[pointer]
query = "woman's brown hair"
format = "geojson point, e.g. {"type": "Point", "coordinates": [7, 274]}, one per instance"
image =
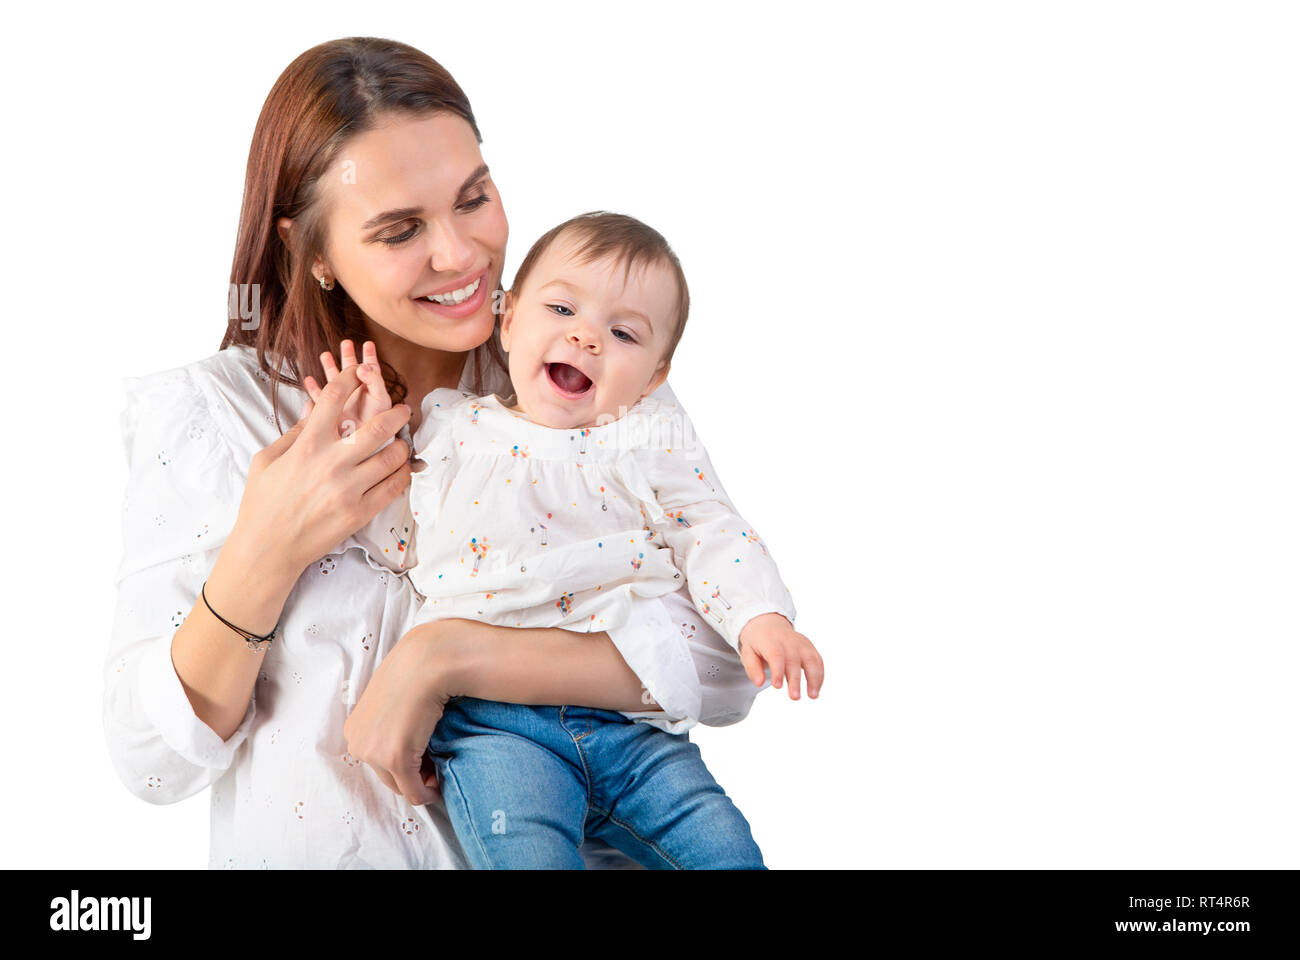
{"type": "Point", "coordinates": [328, 95]}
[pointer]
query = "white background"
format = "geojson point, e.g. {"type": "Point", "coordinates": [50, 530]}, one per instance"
{"type": "Point", "coordinates": [993, 338]}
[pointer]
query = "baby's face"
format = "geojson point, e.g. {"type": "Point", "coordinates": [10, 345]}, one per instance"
{"type": "Point", "coordinates": [583, 345]}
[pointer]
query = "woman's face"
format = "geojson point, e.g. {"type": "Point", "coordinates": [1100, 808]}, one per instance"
{"type": "Point", "coordinates": [413, 214]}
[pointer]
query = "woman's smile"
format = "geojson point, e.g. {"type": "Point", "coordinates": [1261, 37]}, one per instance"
{"type": "Point", "coordinates": [470, 303]}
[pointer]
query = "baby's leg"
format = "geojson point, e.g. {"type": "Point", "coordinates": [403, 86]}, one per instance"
{"type": "Point", "coordinates": [513, 802]}
{"type": "Point", "coordinates": [654, 799]}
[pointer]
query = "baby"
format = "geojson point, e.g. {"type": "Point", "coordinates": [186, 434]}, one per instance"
{"type": "Point", "coordinates": [556, 507]}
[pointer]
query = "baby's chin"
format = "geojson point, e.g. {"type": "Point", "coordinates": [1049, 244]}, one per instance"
{"type": "Point", "coordinates": [556, 413]}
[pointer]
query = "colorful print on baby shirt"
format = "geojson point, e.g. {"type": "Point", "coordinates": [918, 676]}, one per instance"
{"type": "Point", "coordinates": [401, 540]}
{"type": "Point", "coordinates": [645, 524]}
{"type": "Point", "coordinates": [480, 549]}
{"type": "Point", "coordinates": [677, 515]}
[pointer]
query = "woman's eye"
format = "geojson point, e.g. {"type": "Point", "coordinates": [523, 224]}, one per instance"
{"type": "Point", "coordinates": [624, 336]}
{"type": "Point", "coordinates": [400, 238]}
{"type": "Point", "coordinates": [468, 206]}
{"type": "Point", "coordinates": [561, 309]}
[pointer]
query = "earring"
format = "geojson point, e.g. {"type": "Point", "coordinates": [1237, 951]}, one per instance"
{"type": "Point", "coordinates": [324, 284]}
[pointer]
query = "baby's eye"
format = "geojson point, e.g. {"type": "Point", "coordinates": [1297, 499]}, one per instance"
{"type": "Point", "coordinates": [561, 309]}
{"type": "Point", "coordinates": [624, 336]}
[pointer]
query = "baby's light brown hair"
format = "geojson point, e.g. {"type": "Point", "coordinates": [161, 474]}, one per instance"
{"type": "Point", "coordinates": [599, 234]}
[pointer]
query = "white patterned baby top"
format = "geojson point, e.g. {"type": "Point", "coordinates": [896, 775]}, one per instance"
{"type": "Point", "coordinates": [524, 525]}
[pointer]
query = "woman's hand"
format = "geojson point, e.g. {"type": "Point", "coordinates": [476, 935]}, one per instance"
{"type": "Point", "coordinates": [390, 726]}
{"type": "Point", "coordinates": [366, 403]}
{"type": "Point", "coordinates": [310, 489]}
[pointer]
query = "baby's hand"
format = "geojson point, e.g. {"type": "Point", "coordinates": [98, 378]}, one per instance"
{"type": "Point", "coordinates": [367, 401]}
{"type": "Point", "coordinates": [770, 640]}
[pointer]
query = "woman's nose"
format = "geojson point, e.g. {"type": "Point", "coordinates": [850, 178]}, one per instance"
{"type": "Point", "coordinates": [450, 249]}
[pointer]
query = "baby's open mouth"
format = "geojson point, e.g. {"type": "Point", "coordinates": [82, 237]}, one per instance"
{"type": "Point", "coordinates": [569, 380]}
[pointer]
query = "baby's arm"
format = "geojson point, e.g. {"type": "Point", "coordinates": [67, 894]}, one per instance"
{"type": "Point", "coordinates": [730, 573]}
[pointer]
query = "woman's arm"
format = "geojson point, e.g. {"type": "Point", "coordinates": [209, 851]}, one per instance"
{"type": "Point", "coordinates": [305, 492]}
{"type": "Point", "coordinates": [181, 502]}
{"type": "Point", "coordinates": [161, 750]}
{"type": "Point", "coordinates": [535, 666]}
{"type": "Point", "coordinates": [394, 718]}
{"type": "Point", "coordinates": [216, 668]}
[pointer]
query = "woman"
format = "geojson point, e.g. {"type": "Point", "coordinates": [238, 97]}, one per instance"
{"type": "Point", "coordinates": [366, 198]}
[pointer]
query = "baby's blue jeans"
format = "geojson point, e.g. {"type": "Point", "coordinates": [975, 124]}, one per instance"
{"type": "Point", "coordinates": [524, 784]}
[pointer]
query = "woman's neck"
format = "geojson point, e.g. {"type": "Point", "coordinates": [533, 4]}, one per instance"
{"type": "Point", "coordinates": [422, 369]}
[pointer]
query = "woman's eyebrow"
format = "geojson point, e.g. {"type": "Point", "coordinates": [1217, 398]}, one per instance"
{"type": "Point", "coordinates": [401, 213]}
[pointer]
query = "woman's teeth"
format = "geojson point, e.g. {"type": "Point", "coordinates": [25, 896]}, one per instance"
{"type": "Point", "coordinates": [456, 296]}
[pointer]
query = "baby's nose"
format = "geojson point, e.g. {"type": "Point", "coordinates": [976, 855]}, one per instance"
{"type": "Point", "coordinates": [584, 341]}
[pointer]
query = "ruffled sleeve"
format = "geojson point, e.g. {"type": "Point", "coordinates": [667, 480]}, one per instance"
{"type": "Point", "coordinates": [729, 571]}
{"type": "Point", "coordinates": [725, 691]}
{"type": "Point", "coordinates": [182, 497]}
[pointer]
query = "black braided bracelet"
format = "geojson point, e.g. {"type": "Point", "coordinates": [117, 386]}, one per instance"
{"type": "Point", "coordinates": [253, 640]}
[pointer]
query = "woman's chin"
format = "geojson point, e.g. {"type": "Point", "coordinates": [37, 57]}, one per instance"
{"type": "Point", "coordinates": [454, 336]}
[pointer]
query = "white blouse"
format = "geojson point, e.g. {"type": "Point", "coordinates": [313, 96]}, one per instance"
{"type": "Point", "coordinates": [285, 791]}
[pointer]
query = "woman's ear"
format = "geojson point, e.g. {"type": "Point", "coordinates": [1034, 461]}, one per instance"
{"type": "Point", "coordinates": [284, 226]}
{"type": "Point", "coordinates": [507, 319]}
